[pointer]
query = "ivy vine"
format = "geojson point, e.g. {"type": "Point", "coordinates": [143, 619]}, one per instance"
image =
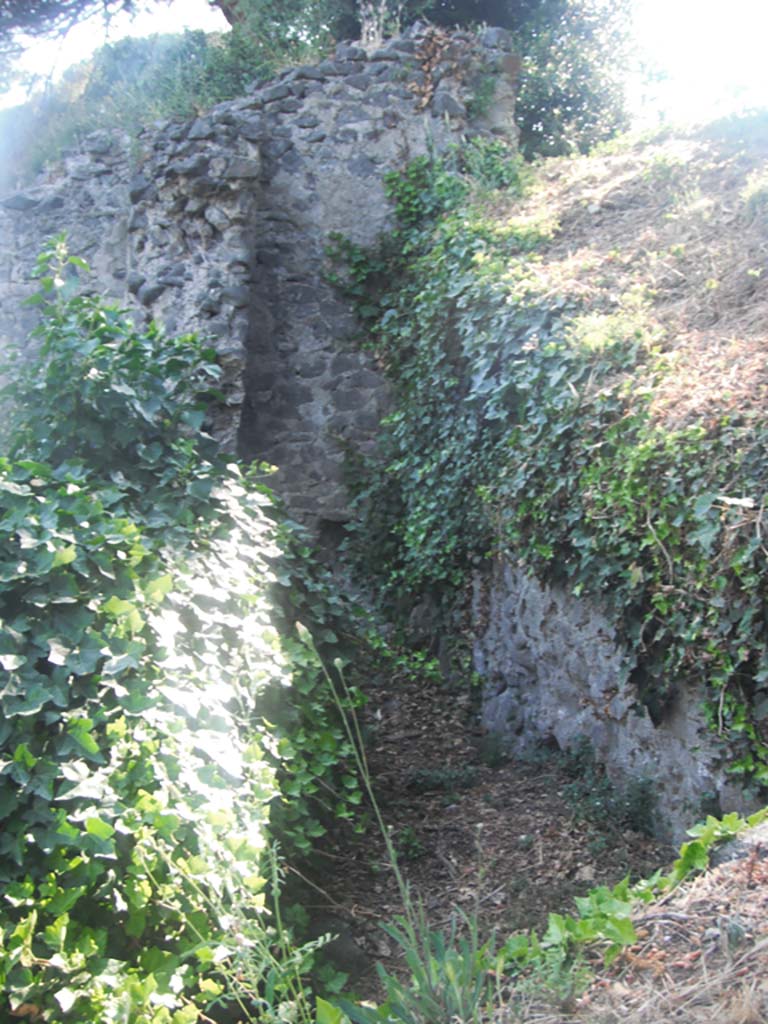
{"type": "Point", "coordinates": [523, 427]}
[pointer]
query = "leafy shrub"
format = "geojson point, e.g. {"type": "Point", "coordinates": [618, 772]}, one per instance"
{"type": "Point", "coordinates": [600, 800]}
{"type": "Point", "coordinates": [139, 650]}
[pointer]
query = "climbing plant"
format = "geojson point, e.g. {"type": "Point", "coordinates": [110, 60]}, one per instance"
{"type": "Point", "coordinates": [158, 721]}
{"type": "Point", "coordinates": [522, 426]}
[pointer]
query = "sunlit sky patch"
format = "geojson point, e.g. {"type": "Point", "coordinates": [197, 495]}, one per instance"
{"type": "Point", "coordinates": [710, 56]}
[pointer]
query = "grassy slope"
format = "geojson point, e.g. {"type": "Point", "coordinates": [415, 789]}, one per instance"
{"type": "Point", "coordinates": [684, 219]}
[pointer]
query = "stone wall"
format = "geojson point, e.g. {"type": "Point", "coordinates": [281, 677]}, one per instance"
{"type": "Point", "coordinates": [553, 670]}
{"type": "Point", "coordinates": [220, 226]}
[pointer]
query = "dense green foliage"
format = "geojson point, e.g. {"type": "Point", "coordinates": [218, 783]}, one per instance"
{"type": "Point", "coordinates": [158, 708]}
{"type": "Point", "coordinates": [571, 90]}
{"type": "Point", "coordinates": [522, 428]}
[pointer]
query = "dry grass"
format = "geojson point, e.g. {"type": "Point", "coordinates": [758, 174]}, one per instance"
{"type": "Point", "coordinates": [702, 958]}
{"type": "Point", "coordinates": [672, 220]}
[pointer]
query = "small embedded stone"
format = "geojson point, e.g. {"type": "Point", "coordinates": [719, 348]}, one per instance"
{"type": "Point", "coordinates": [211, 303]}
{"type": "Point", "coordinates": [330, 68]}
{"type": "Point", "coordinates": [344, 51]}
{"type": "Point", "coordinates": [400, 46]}
{"type": "Point", "coordinates": [275, 148]}
{"type": "Point", "coordinates": [238, 295]}
{"type": "Point", "coordinates": [138, 221]}
{"type": "Point", "coordinates": [362, 166]}
{"type": "Point", "coordinates": [361, 81]}
{"type": "Point", "coordinates": [251, 128]}
{"type": "Point", "coordinates": [347, 67]}
{"type": "Point", "coordinates": [52, 203]}
{"type": "Point", "coordinates": [149, 292]}
{"type": "Point", "coordinates": [310, 72]}
{"type": "Point", "coordinates": [217, 217]}
{"type": "Point", "coordinates": [242, 167]}
{"type": "Point", "coordinates": [21, 201]}
{"type": "Point", "coordinates": [276, 92]}
{"type": "Point", "coordinates": [138, 187]}
{"type": "Point", "coordinates": [445, 103]}
{"type": "Point", "coordinates": [347, 401]}
{"type": "Point", "coordinates": [190, 167]}
{"type": "Point", "coordinates": [201, 129]}
{"type": "Point", "coordinates": [135, 281]}
{"type": "Point", "coordinates": [352, 114]}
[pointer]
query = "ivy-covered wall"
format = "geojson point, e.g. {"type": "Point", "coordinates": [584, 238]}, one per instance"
{"type": "Point", "coordinates": [567, 430]}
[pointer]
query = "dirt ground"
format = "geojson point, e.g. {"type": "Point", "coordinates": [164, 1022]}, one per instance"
{"type": "Point", "coordinates": [500, 841]}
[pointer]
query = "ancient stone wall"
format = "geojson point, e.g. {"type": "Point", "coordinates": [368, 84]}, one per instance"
{"type": "Point", "coordinates": [220, 226]}
{"type": "Point", "coordinates": [553, 670]}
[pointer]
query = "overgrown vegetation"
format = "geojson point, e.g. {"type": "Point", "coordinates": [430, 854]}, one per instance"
{"type": "Point", "coordinates": [524, 427]}
{"type": "Point", "coordinates": [162, 706]}
{"type": "Point", "coordinates": [456, 974]}
{"type": "Point", "coordinates": [158, 709]}
{"type": "Point", "coordinates": [132, 83]}
{"type": "Point", "coordinates": [571, 93]}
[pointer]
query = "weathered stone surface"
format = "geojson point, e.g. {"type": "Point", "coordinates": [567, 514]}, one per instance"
{"type": "Point", "coordinates": [346, 51]}
{"type": "Point", "coordinates": [290, 106]}
{"type": "Point", "coordinates": [218, 217]}
{"type": "Point", "coordinates": [21, 201]}
{"type": "Point", "coordinates": [193, 165]}
{"type": "Point", "coordinates": [239, 296]}
{"type": "Point", "coordinates": [135, 281]}
{"type": "Point", "coordinates": [553, 670]}
{"type": "Point", "coordinates": [251, 128]}
{"type": "Point", "coordinates": [220, 225]}
{"type": "Point", "coordinates": [362, 167]}
{"type": "Point", "coordinates": [241, 167]}
{"type": "Point", "coordinates": [310, 72]}
{"type": "Point", "coordinates": [444, 103]}
{"type": "Point", "coordinates": [139, 187]}
{"type": "Point", "coordinates": [361, 81]}
{"type": "Point", "coordinates": [400, 46]}
{"type": "Point", "coordinates": [202, 128]}
{"type": "Point", "coordinates": [149, 292]}
{"type": "Point", "coordinates": [276, 92]}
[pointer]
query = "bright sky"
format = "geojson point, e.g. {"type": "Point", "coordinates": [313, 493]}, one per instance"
{"type": "Point", "coordinates": [712, 53]}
